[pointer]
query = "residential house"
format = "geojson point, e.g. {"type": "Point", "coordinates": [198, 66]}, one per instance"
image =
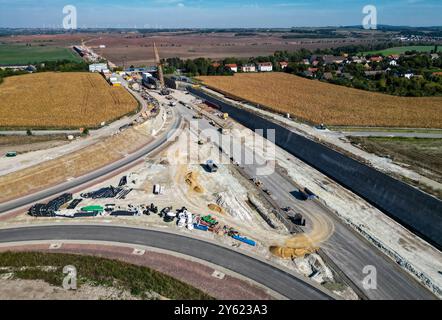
{"type": "Point", "coordinates": [250, 67]}
{"type": "Point", "coordinates": [409, 75]}
{"type": "Point", "coordinates": [376, 59]}
{"type": "Point", "coordinates": [265, 67]}
{"type": "Point", "coordinates": [393, 63]}
{"type": "Point", "coordinates": [394, 56]}
{"type": "Point", "coordinates": [437, 74]}
{"type": "Point", "coordinates": [283, 64]}
{"type": "Point", "coordinates": [232, 66]}
{"type": "Point", "coordinates": [332, 59]}
{"type": "Point", "coordinates": [434, 56]}
{"type": "Point", "coordinates": [357, 59]}
{"type": "Point", "coordinates": [306, 62]}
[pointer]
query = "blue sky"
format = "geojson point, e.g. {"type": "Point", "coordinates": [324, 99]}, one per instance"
{"type": "Point", "coordinates": [217, 13]}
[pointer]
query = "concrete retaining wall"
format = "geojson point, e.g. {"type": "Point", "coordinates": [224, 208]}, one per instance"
{"type": "Point", "coordinates": [417, 211]}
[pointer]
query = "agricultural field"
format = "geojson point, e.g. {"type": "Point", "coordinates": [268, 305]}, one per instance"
{"type": "Point", "coordinates": [61, 100]}
{"type": "Point", "coordinates": [15, 54]}
{"type": "Point", "coordinates": [402, 50]}
{"type": "Point", "coordinates": [318, 102]}
{"type": "Point", "coordinates": [422, 155]}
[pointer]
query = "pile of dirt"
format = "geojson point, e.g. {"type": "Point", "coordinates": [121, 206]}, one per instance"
{"type": "Point", "coordinates": [290, 253]}
{"type": "Point", "coordinates": [192, 180]}
{"type": "Point", "coordinates": [216, 208]}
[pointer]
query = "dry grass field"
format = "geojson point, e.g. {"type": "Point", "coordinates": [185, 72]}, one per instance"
{"type": "Point", "coordinates": [319, 102]}
{"type": "Point", "coordinates": [61, 100]}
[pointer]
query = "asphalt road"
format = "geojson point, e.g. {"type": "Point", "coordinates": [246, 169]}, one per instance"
{"type": "Point", "coordinates": [274, 278]}
{"type": "Point", "coordinates": [68, 185]}
{"type": "Point", "coordinates": [350, 252]}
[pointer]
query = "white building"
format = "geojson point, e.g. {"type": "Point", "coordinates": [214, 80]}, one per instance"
{"type": "Point", "coordinates": [409, 75]}
{"type": "Point", "coordinates": [265, 67]}
{"type": "Point", "coordinates": [248, 68]}
{"type": "Point", "coordinates": [98, 67]}
{"type": "Point", "coordinates": [232, 66]}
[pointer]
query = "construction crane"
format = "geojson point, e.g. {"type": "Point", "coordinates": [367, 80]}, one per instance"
{"type": "Point", "coordinates": [159, 66]}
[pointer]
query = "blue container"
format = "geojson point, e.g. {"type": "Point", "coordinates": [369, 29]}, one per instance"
{"type": "Point", "coordinates": [200, 227]}
{"type": "Point", "coordinates": [245, 240]}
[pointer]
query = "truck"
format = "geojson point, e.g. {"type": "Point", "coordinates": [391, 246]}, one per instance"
{"type": "Point", "coordinates": [211, 166]}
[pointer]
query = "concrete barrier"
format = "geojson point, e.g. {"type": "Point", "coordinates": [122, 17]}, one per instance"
{"type": "Point", "coordinates": [417, 211]}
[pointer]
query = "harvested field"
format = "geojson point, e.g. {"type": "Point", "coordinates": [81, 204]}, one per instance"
{"type": "Point", "coordinates": [421, 155]}
{"type": "Point", "coordinates": [61, 100]}
{"type": "Point", "coordinates": [317, 102]}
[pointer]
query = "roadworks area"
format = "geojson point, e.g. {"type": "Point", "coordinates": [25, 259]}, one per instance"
{"type": "Point", "coordinates": [234, 202]}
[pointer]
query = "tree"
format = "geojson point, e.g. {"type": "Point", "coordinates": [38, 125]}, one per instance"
{"type": "Point", "coordinates": [29, 132]}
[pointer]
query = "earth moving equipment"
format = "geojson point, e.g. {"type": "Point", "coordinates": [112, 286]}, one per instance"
{"type": "Point", "coordinates": [211, 166]}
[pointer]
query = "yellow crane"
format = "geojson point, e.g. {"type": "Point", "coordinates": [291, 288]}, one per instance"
{"type": "Point", "coordinates": [159, 65]}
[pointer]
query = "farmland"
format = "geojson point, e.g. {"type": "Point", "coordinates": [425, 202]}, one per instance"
{"type": "Point", "coordinates": [317, 102]}
{"type": "Point", "coordinates": [61, 100]}
{"type": "Point", "coordinates": [402, 50]}
{"type": "Point", "coordinates": [21, 54]}
{"type": "Point", "coordinates": [422, 155]}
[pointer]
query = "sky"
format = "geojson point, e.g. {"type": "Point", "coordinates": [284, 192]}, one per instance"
{"type": "Point", "coordinates": [217, 13]}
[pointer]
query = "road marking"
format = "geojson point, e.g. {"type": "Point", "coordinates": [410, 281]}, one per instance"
{"type": "Point", "coordinates": [55, 246]}
{"type": "Point", "coordinates": [218, 274]}
{"type": "Point", "coordinates": [138, 252]}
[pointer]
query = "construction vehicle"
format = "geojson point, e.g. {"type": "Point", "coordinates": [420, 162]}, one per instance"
{"type": "Point", "coordinates": [211, 166]}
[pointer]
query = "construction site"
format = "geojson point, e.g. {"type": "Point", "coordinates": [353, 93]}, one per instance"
{"type": "Point", "coordinates": [212, 178]}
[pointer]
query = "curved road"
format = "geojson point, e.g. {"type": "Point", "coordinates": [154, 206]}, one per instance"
{"type": "Point", "coordinates": [65, 186]}
{"type": "Point", "coordinates": [272, 277]}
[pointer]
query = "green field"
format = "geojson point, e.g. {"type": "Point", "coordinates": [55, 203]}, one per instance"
{"type": "Point", "coordinates": [21, 54]}
{"type": "Point", "coordinates": [401, 50]}
{"type": "Point", "coordinates": [97, 271]}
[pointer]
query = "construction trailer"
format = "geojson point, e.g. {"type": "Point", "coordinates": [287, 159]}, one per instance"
{"type": "Point", "coordinates": [98, 67]}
